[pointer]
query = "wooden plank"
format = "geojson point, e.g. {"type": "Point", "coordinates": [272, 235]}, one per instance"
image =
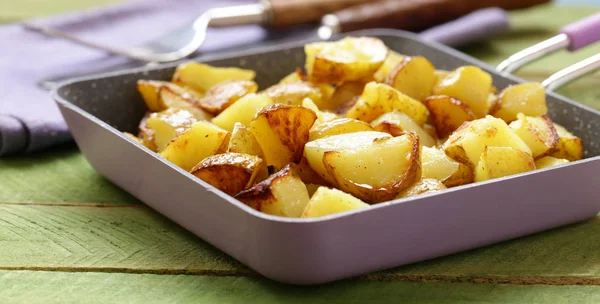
{"type": "Point", "coordinates": [136, 239]}
{"type": "Point", "coordinates": [52, 287]}
{"type": "Point", "coordinates": [58, 175]}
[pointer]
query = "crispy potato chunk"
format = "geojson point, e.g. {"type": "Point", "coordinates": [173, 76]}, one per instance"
{"type": "Point", "coordinates": [348, 59]}
{"type": "Point", "coordinates": [293, 93]}
{"type": "Point", "coordinates": [283, 194]}
{"type": "Point", "coordinates": [537, 132]}
{"type": "Point", "coordinates": [222, 95]}
{"type": "Point", "coordinates": [549, 161]}
{"type": "Point", "coordinates": [230, 172]}
{"type": "Point", "coordinates": [526, 98]}
{"type": "Point", "coordinates": [439, 76]}
{"type": "Point", "coordinates": [468, 142]}
{"type": "Point", "coordinates": [378, 98]}
{"type": "Point", "coordinates": [282, 130]}
{"type": "Point", "coordinates": [337, 126]}
{"type": "Point", "coordinates": [425, 185]}
{"type": "Point", "coordinates": [414, 76]}
{"type": "Point", "coordinates": [149, 90]}
{"type": "Point", "coordinates": [146, 134]}
{"type": "Point", "coordinates": [322, 116]}
{"type": "Point", "coordinates": [243, 141]}
{"type": "Point", "coordinates": [497, 162]}
{"type": "Point", "coordinates": [447, 113]}
{"type": "Point", "coordinates": [326, 90]}
{"type": "Point", "coordinates": [343, 94]}
{"type": "Point", "coordinates": [202, 77]}
{"type": "Point", "coordinates": [569, 146]}
{"type": "Point", "coordinates": [377, 172]}
{"type": "Point", "coordinates": [171, 98]}
{"type": "Point", "coordinates": [392, 60]}
{"type": "Point", "coordinates": [469, 84]}
{"type": "Point", "coordinates": [315, 150]}
{"type": "Point", "coordinates": [397, 123]}
{"type": "Point", "coordinates": [328, 201]}
{"type": "Point", "coordinates": [161, 95]}
{"type": "Point", "coordinates": [201, 140]}
{"type": "Point", "coordinates": [168, 124]}
{"type": "Point", "coordinates": [242, 111]}
{"type": "Point", "coordinates": [437, 165]}
{"type": "Point", "coordinates": [308, 175]}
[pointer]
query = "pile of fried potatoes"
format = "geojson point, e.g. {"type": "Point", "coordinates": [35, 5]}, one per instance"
{"type": "Point", "coordinates": [364, 125]}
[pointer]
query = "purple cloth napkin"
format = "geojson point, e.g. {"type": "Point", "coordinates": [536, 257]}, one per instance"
{"type": "Point", "coordinates": [30, 120]}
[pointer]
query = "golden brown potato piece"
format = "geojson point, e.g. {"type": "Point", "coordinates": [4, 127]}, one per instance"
{"type": "Point", "coordinates": [346, 106]}
{"type": "Point", "coordinates": [282, 194]}
{"type": "Point", "coordinates": [202, 77]}
{"type": "Point", "coordinates": [468, 142]}
{"type": "Point", "coordinates": [414, 76]}
{"type": "Point", "coordinates": [348, 59]}
{"type": "Point", "coordinates": [549, 161]}
{"type": "Point", "coordinates": [447, 113]}
{"type": "Point", "coordinates": [439, 76]}
{"type": "Point", "coordinates": [222, 95]}
{"type": "Point", "coordinates": [437, 165]}
{"type": "Point", "coordinates": [425, 185]}
{"type": "Point", "coordinates": [392, 60]}
{"type": "Point", "coordinates": [230, 172]}
{"type": "Point", "coordinates": [282, 130]}
{"type": "Point", "coordinates": [161, 95]}
{"type": "Point", "coordinates": [344, 94]}
{"type": "Point", "coordinates": [377, 172]}
{"type": "Point", "coordinates": [497, 162]}
{"type": "Point", "coordinates": [308, 175]}
{"type": "Point", "coordinates": [537, 132]}
{"type": "Point", "coordinates": [200, 141]}
{"type": "Point", "coordinates": [171, 98]}
{"type": "Point", "coordinates": [135, 138]}
{"type": "Point", "coordinates": [397, 123]}
{"type": "Point", "coordinates": [322, 116]}
{"type": "Point", "coordinates": [146, 134]}
{"type": "Point", "coordinates": [293, 93]}
{"type": "Point", "coordinates": [242, 111]}
{"type": "Point", "coordinates": [326, 201]}
{"type": "Point", "coordinates": [378, 98]}
{"type": "Point", "coordinates": [326, 90]}
{"type": "Point", "coordinates": [469, 84]}
{"type": "Point", "coordinates": [337, 126]}
{"type": "Point", "coordinates": [526, 98]}
{"type": "Point", "coordinates": [243, 141]}
{"type": "Point", "coordinates": [168, 124]}
{"type": "Point", "coordinates": [569, 146]}
{"type": "Point", "coordinates": [315, 150]}
{"type": "Point", "coordinates": [149, 90]}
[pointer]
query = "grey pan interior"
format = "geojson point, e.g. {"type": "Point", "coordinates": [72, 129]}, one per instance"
{"type": "Point", "coordinates": [314, 251]}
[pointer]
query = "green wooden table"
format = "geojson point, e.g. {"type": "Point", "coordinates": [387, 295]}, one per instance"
{"type": "Point", "coordinates": [69, 235]}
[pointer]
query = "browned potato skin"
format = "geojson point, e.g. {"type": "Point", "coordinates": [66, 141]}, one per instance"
{"type": "Point", "coordinates": [222, 95]}
{"type": "Point", "coordinates": [447, 113]}
{"type": "Point", "coordinates": [146, 134]}
{"type": "Point", "coordinates": [344, 94]}
{"type": "Point", "coordinates": [403, 75]}
{"type": "Point", "coordinates": [308, 175]}
{"type": "Point", "coordinates": [569, 146]}
{"type": "Point", "coordinates": [229, 172]}
{"type": "Point", "coordinates": [426, 185]}
{"type": "Point", "coordinates": [372, 195]}
{"type": "Point", "coordinates": [292, 93]}
{"type": "Point", "coordinates": [346, 106]}
{"type": "Point", "coordinates": [260, 193]}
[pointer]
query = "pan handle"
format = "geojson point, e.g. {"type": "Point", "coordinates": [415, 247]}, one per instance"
{"type": "Point", "coordinates": [572, 72]}
{"type": "Point", "coordinates": [583, 32]}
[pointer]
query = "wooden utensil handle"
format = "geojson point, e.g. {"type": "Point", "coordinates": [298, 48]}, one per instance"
{"type": "Point", "coordinates": [416, 15]}
{"type": "Point", "coordinates": [285, 13]}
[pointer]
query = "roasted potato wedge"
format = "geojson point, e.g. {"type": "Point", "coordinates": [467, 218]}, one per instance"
{"type": "Point", "coordinates": [146, 134]}
{"type": "Point", "coordinates": [242, 111]}
{"type": "Point", "coordinates": [200, 141]}
{"type": "Point", "coordinates": [283, 194]}
{"type": "Point", "coordinates": [337, 126]}
{"type": "Point", "coordinates": [161, 95]}
{"type": "Point", "coordinates": [414, 76]}
{"type": "Point", "coordinates": [447, 113]}
{"type": "Point", "coordinates": [348, 59]}
{"type": "Point", "coordinates": [171, 98]}
{"type": "Point", "coordinates": [439, 76]}
{"type": "Point", "coordinates": [149, 90]}
{"type": "Point", "coordinates": [549, 161]}
{"type": "Point", "coordinates": [326, 201]}
{"type": "Point", "coordinates": [231, 172]}
{"type": "Point", "coordinates": [569, 146]}
{"type": "Point", "coordinates": [220, 96]}
{"type": "Point", "coordinates": [392, 60]}
{"type": "Point", "coordinates": [308, 175]}
{"type": "Point", "coordinates": [526, 98]}
{"type": "Point", "coordinates": [315, 150]}
{"type": "Point", "coordinates": [168, 124]}
{"type": "Point", "coordinates": [468, 142]}
{"type": "Point", "coordinates": [322, 116]}
{"type": "Point", "coordinates": [378, 98]}
{"type": "Point", "coordinates": [202, 77]}
{"type": "Point", "coordinates": [437, 165]}
{"type": "Point", "coordinates": [377, 172]}
{"type": "Point", "coordinates": [397, 123]}
{"type": "Point", "coordinates": [537, 132]}
{"type": "Point", "coordinates": [282, 130]}
{"type": "Point", "coordinates": [496, 162]}
{"type": "Point", "coordinates": [425, 185]}
{"type": "Point", "coordinates": [243, 141]}
{"type": "Point", "coordinates": [469, 84]}
{"type": "Point", "coordinates": [293, 93]}
{"type": "Point", "coordinates": [343, 94]}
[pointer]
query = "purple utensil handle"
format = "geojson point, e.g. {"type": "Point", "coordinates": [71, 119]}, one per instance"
{"type": "Point", "coordinates": [475, 26]}
{"type": "Point", "coordinates": [583, 32]}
